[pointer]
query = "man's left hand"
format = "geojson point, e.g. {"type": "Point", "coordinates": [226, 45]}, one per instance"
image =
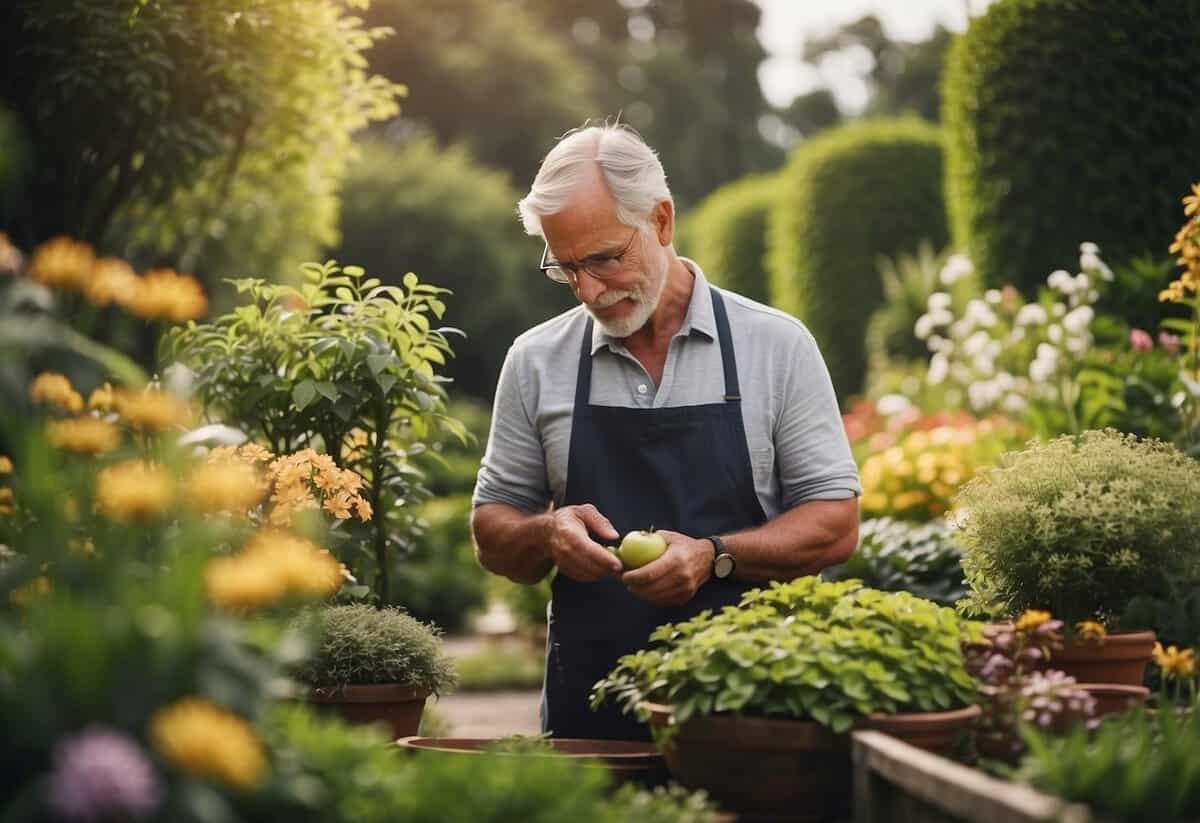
{"type": "Point", "coordinates": [673, 578]}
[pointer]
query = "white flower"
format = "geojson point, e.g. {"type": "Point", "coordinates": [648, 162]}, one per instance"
{"type": "Point", "coordinates": [1041, 370]}
{"type": "Point", "coordinates": [984, 365]}
{"type": "Point", "coordinates": [1055, 333]}
{"type": "Point", "coordinates": [993, 297]}
{"type": "Point", "coordinates": [983, 394]}
{"type": "Point", "coordinates": [1093, 295]}
{"type": "Point", "coordinates": [1078, 321]}
{"type": "Point", "coordinates": [923, 327]}
{"type": "Point", "coordinates": [1004, 380]}
{"type": "Point", "coordinates": [1058, 309]}
{"type": "Point", "coordinates": [1077, 345]}
{"type": "Point", "coordinates": [993, 349]}
{"type": "Point", "coordinates": [957, 267]}
{"type": "Point", "coordinates": [1061, 280]}
{"type": "Point", "coordinates": [976, 343]}
{"type": "Point", "coordinates": [1082, 282]}
{"type": "Point", "coordinates": [978, 314]}
{"type": "Point", "coordinates": [1014, 404]}
{"type": "Point", "coordinates": [891, 404]}
{"type": "Point", "coordinates": [960, 374]}
{"type": "Point", "coordinates": [1016, 335]}
{"type": "Point", "coordinates": [938, 366]}
{"type": "Point", "coordinates": [1031, 314]}
{"type": "Point", "coordinates": [938, 300]}
{"type": "Point", "coordinates": [938, 343]}
{"type": "Point", "coordinates": [1088, 248]}
{"type": "Point", "coordinates": [1046, 352]}
{"type": "Point", "coordinates": [1092, 262]}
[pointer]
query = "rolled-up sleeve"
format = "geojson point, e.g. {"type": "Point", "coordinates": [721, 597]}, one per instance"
{"type": "Point", "coordinates": [513, 470]}
{"type": "Point", "coordinates": [812, 453]}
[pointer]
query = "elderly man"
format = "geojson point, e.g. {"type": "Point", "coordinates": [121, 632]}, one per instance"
{"type": "Point", "coordinates": [660, 401]}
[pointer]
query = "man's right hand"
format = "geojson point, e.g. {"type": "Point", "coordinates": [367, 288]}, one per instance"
{"type": "Point", "coordinates": [575, 553]}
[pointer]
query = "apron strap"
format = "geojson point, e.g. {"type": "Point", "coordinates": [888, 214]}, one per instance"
{"type": "Point", "coordinates": [732, 393]}
{"type": "Point", "coordinates": [583, 380]}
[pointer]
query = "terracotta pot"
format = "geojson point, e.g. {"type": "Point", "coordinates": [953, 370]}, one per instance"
{"type": "Point", "coordinates": [398, 707]}
{"type": "Point", "coordinates": [937, 732]}
{"type": "Point", "coordinates": [628, 761]}
{"type": "Point", "coordinates": [1121, 658]}
{"type": "Point", "coordinates": [1114, 698]}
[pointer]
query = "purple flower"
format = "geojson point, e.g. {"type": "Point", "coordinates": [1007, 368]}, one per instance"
{"type": "Point", "coordinates": [1140, 340]}
{"type": "Point", "coordinates": [1169, 342]}
{"type": "Point", "coordinates": [101, 774]}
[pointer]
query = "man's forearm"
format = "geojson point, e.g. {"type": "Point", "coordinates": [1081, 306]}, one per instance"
{"type": "Point", "coordinates": [798, 542]}
{"type": "Point", "coordinates": [511, 542]}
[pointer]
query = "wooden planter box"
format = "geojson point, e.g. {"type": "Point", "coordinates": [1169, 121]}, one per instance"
{"type": "Point", "coordinates": [898, 783]}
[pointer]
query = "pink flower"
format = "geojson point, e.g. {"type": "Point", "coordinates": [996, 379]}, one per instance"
{"type": "Point", "coordinates": [1140, 340]}
{"type": "Point", "coordinates": [1169, 342]}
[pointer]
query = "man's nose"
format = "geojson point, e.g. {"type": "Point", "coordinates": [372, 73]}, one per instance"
{"type": "Point", "coordinates": [588, 288]}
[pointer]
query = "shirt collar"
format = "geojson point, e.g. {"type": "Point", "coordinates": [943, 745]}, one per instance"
{"type": "Point", "coordinates": [699, 317]}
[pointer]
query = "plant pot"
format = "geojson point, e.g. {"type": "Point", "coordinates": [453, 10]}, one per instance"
{"type": "Point", "coordinates": [397, 707]}
{"type": "Point", "coordinates": [937, 732]}
{"type": "Point", "coordinates": [1120, 659]}
{"type": "Point", "coordinates": [1114, 698]}
{"type": "Point", "coordinates": [764, 769]}
{"type": "Point", "coordinates": [627, 761]}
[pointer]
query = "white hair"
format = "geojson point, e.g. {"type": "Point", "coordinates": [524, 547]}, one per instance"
{"type": "Point", "coordinates": [630, 168]}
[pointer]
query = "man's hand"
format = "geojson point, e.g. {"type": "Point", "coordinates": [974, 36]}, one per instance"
{"type": "Point", "coordinates": [674, 578]}
{"type": "Point", "coordinates": [574, 552]}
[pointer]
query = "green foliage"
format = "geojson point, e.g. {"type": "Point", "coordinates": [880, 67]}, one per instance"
{"type": "Point", "coordinates": [893, 556]}
{"type": "Point", "coordinates": [206, 136]}
{"type": "Point", "coordinates": [438, 213]}
{"type": "Point", "coordinates": [339, 356]}
{"type": "Point", "coordinates": [512, 666]}
{"type": "Point", "coordinates": [664, 804]}
{"type": "Point", "coordinates": [807, 649]}
{"type": "Point", "coordinates": [908, 280]}
{"type": "Point", "coordinates": [847, 197]}
{"type": "Point", "coordinates": [1080, 526]}
{"type": "Point", "coordinates": [358, 645]}
{"type": "Point", "coordinates": [1033, 166]}
{"type": "Point", "coordinates": [1135, 767]}
{"type": "Point", "coordinates": [440, 581]}
{"type": "Point", "coordinates": [727, 235]}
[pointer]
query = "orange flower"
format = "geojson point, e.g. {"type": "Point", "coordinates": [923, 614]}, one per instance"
{"type": "Point", "coordinates": [1175, 663]}
{"type": "Point", "coordinates": [1031, 619]}
{"type": "Point", "coordinates": [62, 263]}
{"type": "Point", "coordinates": [54, 389]}
{"type": "Point", "coordinates": [164, 294]}
{"type": "Point", "coordinates": [112, 281]}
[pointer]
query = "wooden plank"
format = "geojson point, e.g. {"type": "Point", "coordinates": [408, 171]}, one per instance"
{"type": "Point", "coordinates": [963, 793]}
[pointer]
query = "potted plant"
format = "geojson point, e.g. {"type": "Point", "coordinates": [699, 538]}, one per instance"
{"type": "Point", "coordinates": [1080, 527]}
{"type": "Point", "coordinates": [754, 704]}
{"type": "Point", "coordinates": [373, 665]}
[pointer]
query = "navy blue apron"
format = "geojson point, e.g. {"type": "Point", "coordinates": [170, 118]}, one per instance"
{"type": "Point", "coordinates": [686, 469]}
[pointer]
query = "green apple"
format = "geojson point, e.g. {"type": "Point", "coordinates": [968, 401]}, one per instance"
{"type": "Point", "coordinates": [641, 547]}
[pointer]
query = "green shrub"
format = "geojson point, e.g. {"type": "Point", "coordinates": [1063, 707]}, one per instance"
{"type": "Point", "coordinates": [415, 207]}
{"type": "Point", "coordinates": [894, 556]}
{"type": "Point", "coordinates": [727, 235]}
{"type": "Point", "coordinates": [1065, 121]}
{"type": "Point", "coordinates": [1080, 527]}
{"type": "Point", "coordinates": [360, 645]}
{"type": "Point", "coordinates": [807, 649]}
{"type": "Point", "coordinates": [846, 197]}
{"type": "Point", "coordinates": [440, 581]}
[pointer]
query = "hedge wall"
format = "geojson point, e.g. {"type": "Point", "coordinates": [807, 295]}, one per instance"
{"type": "Point", "coordinates": [848, 196]}
{"type": "Point", "coordinates": [727, 235]}
{"type": "Point", "coordinates": [1070, 120]}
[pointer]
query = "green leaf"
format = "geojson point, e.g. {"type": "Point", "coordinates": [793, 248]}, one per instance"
{"type": "Point", "coordinates": [303, 393]}
{"type": "Point", "coordinates": [410, 281]}
{"type": "Point", "coordinates": [327, 390]}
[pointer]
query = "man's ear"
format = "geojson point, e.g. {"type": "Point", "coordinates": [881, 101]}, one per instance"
{"type": "Point", "coordinates": [663, 220]}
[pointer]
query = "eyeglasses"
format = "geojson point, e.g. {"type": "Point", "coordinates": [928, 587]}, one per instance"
{"type": "Point", "coordinates": [600, 266]}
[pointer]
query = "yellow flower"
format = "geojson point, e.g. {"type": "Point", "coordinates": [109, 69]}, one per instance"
{"type": "Point", "coordinates": [358, 437]}
{"type": "Point", "coordinates": [102, 399]}
{"type": "Point", "coordinates": [255, 453]}
{"type": "Point", "coordinates": [55, 389]}
{"type": "Point", "coordinates": [6, 465]}
{"type": "Point", "coordinates": [363, 509]}
{"type": "Point", "coordinates": [338, 505]}
{"type": "Point", "coordinates": [874, 502]}
{"type": "Point", "coordinates": [133, 490]}
{"type": "Point", "coordinates": [1175, 663]}
{"type": "Point", "coordinates": [206, 740]}
{"type": "Point", "coordinates": [6, 502]}
{"type": "Point", "coordinates": [909, 499]}
{"type": "Point", "coordinates": [164, 294]}
{"type": "Point", "coordinates": [224, 486]}
{"type": "Point", "coordinates": [111, 281]}
{"type": "Point", "coordinates": [1191, 202]}
{"type": "Point", "coordinates": [152, 410]}
{"type": "Point", "coordinates": [1091, 630]}
{"type": "Point", "coordinates": [238, 583]}
{"type": "Point", "coordinates": [1031, 619]}
{"type": "Point", "coordinates": [85, 435]}
{"type": "Point", "coordinates": [22, 596]}
{"type": "Point", "coordinates": [62, 263]}
{"type": "Point", "coordinates": [272, 564]}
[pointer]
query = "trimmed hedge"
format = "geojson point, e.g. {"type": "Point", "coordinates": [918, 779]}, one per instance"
{"type": "Point", "coordinates": [848, 196]}
{"type": "Point", "coordinates": [1070, 120]}
{"type": "Point", "coordinates": [727, 235]}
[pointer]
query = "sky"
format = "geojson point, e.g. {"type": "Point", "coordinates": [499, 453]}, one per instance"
{"type": "Point", "coordinates": [786, 23]}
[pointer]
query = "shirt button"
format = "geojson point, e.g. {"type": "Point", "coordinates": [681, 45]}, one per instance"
{"type": "Point", "coordinates": [642, 388]}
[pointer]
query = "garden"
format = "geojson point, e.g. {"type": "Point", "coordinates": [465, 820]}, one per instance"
{"type": "Point", "coordinates": [259, 268]}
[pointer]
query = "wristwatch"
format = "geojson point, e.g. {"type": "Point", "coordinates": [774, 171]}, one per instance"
{"type": "Point", "coordinates": [723, 562]}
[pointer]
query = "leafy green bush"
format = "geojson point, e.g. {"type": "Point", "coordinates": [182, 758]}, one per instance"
{"type": "Point", "coordinates": [1034, 166]}
{"type": "Point", "coordinates": [440, 581]}
{"type": "Point", "coordinates": [436, 212]}
{"type": "Point", "coordinates": [846, 197]}
{"type": "Point", "coordinates": [727, 235]}
{"type": "Point", "coordinates": [1135, 767]}
{"type": "Point", "coordinates": [360, 645]}
{"type": "Point", "coordinates": [893, 556]}
{"type": "Point", "coordinates": [807, 649]}
{"type": "Point", "coordinates": [1081, 526]}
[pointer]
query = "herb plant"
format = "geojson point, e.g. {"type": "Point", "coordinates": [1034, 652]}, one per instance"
{"type": "Point", "coordinates": [1080, 526]}
{"type": "Point", "coordinates": [894, 555]}
{"type": "Point", "coordinates": [807, 649]}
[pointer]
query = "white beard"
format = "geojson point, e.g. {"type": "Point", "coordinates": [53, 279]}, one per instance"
{"type": "Point", "coordinates": [645, 296]}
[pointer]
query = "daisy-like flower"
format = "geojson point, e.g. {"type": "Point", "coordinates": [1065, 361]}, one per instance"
{"type": "Point", "coordinates": [62, 263]}
{"type": "Point", "coordinates": [206, 740]}
{"type": "Point", "coordinates": [1031, 619]}
{"type": "Point", "coordinates": [1175, 663]}
{"type": "Point", "coordinates": [163, 294]}
{"type": "Point", "coordinates": [101, 774]}
{"type": "Point", "coordinates": [83, 435]}
{"type": "Point", "coordinates": [133, 490]}
{"type": "Point", "coordinates": [54, 389]}
{"type": "Point", "coordinates": [1091, 630]}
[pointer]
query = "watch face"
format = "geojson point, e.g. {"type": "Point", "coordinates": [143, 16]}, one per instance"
{"type": "Point", "coordinates": [723, 565]}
